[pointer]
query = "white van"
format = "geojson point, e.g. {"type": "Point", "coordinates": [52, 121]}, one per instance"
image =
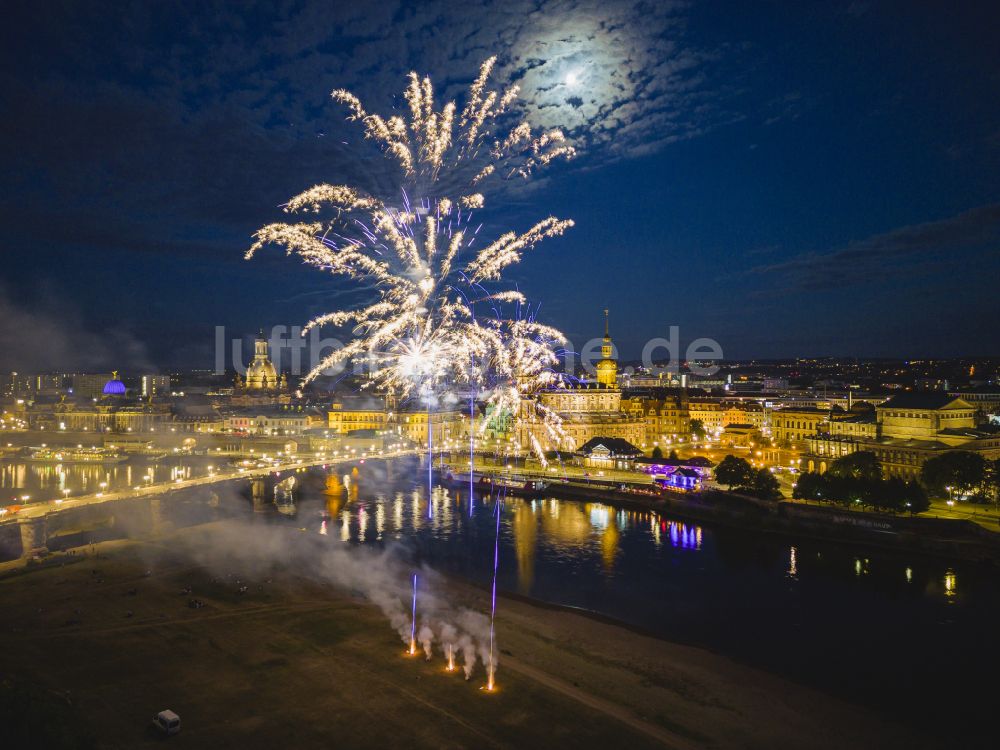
{"type": "Point", "coordinates": [167, 722]}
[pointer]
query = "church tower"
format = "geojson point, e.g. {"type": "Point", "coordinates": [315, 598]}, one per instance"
{"type": "Point", "coordinates": [607, 367]}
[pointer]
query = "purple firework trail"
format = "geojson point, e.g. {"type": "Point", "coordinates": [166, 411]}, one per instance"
{"type": "Point", "coordinates": [430, 465]}
{"type": "Point", "coordinates": [472, 454]}
{"type": "Point", "coordinates": [413, 619]}
{"type": "Point", "coordinates": [493, 612]}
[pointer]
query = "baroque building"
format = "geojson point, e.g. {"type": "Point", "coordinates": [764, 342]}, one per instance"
{"type": "Point", "coordinates": [261, 373]}
{"type": "Point", "coordinates": [587, 410]}
{"type": "Point", "coordinates": [908, 429]}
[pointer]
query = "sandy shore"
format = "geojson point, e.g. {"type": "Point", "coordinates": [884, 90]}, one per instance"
{"type": "Point", "coordinates": [296, 663]}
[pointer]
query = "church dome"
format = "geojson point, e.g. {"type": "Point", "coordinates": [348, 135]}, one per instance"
{"type": "Point", "coordinates": [114, 387]}
{"type": "Point", "coordinates": [261, 372]}
{"type": "Point", "coordinates": [258, 370]}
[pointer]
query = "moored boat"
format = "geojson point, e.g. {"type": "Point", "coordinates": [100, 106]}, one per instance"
{"type": "Point", "coordinates": [74, 456]}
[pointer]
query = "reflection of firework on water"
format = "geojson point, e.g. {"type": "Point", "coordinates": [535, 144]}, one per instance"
{"type": "Point", "coordinates": [420, 332]}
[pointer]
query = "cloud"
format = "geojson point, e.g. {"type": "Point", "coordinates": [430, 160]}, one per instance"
{"type": "Point", "coordinates": [900, 252]}
{"type": "Point", "coordinates": [233, 87]}
{"type": "Point", "coordinates": [180, 132]}
{"type": "Point", "coordinates": [619, 78]}
{"type": "Point", "coordinates": [48, 337]}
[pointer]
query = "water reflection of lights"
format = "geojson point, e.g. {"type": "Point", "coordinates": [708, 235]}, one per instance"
{"type": "Point", "coordinates": [949, 583]}
{"type": "Point", "coordinates": [609, 546]}
{"type": "Point", "coordinates": [415, 509]}
{"type": "Point", "coordinates": [524, 528]}
{"type": "Point", "coordinates": [860, 566]}
{"type": "Point", "coordinates": [681, 535]}
{"type": "Point", "coordinates": [599, 516]}
{"type": "Point", "coordinates": [793, 565]}
{"type": "Point", "coordinates": [909, 575]}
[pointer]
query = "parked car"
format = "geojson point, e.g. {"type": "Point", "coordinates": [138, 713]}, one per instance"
{"type": "Point", "coordinates": [167, 722]}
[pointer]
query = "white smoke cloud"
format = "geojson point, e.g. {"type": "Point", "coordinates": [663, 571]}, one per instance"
{"type": "Point", "coordinates": [383, 577]}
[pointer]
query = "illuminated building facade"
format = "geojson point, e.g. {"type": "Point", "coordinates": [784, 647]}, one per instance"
{"type": "Point", "coordinates": [348, 415]}
{"type": "Point", "coordinates": [106, 415]}
{"type": "Point", "coordinates": [792, 426]}
{"type": "Point", "coordinates": [446, 425]}
{"type": "Point", "coordinates": [587, 410]}
{"type": "Point", "coordinates": [716, 414]}
{"type": "Point", "coordinates": [608, 453]}
{"type": "Point", "coordinates": [735, 435]}
{"type": "Point", "coordinates": [89, 385]}
{"type": "Point", "coordinates": [909, 429]}
{"type": "Point", "coordinates": [985, 399]}
{"type": "Point", "coordinates": [666, 418]}
{"type": "Point", "coordinates": [268, 422]}
{"type": "Point", "coordinates": [710, 412]}
{"type": "Point", "coordinates": [863, 425]}
{"type": "Point", "coordinates": [154, 385]}
{"type": "Point", "coordinates": [926, 416]}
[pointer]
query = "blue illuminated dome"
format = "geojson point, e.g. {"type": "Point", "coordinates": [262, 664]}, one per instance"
{"type": "Point", "coordinates": [114, 387]}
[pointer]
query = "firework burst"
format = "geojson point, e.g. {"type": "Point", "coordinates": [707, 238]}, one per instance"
{"type": "Point", "coordinates": [525, 354]}
{"type": "Point", "coordinates": [463, 152]}
{"type": "Point", "coordinates": [418, 256]}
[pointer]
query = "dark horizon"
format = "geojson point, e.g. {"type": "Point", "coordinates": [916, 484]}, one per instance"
{"type": "Point", "coordinates": [791, 181]}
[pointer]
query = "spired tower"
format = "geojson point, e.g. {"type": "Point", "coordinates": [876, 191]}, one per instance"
{"type": "Point", "coordinates": [607, 367]}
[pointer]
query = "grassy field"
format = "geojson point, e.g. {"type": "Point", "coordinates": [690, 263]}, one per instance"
{"type": "Point", "coordinates": [93, 645]}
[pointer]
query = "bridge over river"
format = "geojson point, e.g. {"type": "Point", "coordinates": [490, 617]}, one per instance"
{"type": "Point", "coordinates": [32, 519]}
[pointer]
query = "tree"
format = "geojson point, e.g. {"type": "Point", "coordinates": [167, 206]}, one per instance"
{"type": "Point", "coordinates": [835, 489]}
{"type": "Point", "coordinates": [916, 500]}
{"type": "Point", "coordinates": [657, 452]}
{"type": "Point", "coordinates": [891, 495]}
{"type": "Point", "coordinates": [764, 485]}
{"type": "Point", "coordinates": [962, 471]}
{"type": "Point", "coordinates": [858, 465]}
{"type": "Point", "coordinates": [734, 472]}
{"type": "Point", "coordinates": [988, 491]}
{"type": "Point", "coordinates": [993, 479]}
{"type": "Point", "coordinates": [698, 429]}
{"type": "Point", "coordinates": [673, 456]}
{"type": "Point", "coordinates": [811, 486]}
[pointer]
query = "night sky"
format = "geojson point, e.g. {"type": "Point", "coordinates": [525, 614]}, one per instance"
{"type": "Point", "coordinates": [791, 179]}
